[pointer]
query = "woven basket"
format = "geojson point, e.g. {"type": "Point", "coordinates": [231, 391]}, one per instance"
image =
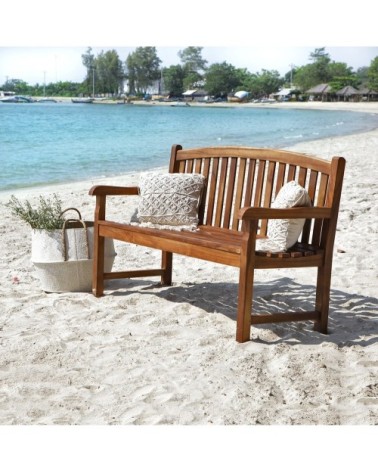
{"type": "Point", "coordinates": [63, 258]}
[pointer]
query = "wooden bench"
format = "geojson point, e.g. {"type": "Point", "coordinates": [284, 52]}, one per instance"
{"type": "Point", "coordinates": [234, 211]}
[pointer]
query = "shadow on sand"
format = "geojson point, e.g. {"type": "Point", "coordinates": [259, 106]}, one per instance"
{"type": "Point", "coordinates": [353, 318]}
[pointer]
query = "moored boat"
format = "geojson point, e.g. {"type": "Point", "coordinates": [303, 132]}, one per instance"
{"type": "Point", "coordinates": [17, 99]}
{"type": "Point", "coordinates": [82, 100]}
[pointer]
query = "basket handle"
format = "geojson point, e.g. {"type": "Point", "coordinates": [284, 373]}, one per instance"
{"type": "Point", "coordinates": [64, 230]}
{"type": "Point", "coordinates": [68, 209]}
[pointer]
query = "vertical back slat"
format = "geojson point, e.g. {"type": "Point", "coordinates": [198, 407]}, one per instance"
{"type": "Point", "coordinates": [221, 184]}
{"type": "Point", "coordinates": [212, 186]}
{"type": "Point", "coordinates": [205, 164]}
{"type": "Point", "coordinates": [229, 192]}
{"type": "Point", "coordinates": [249, 182]}
{"type": "Point", "coordinates": [320, 201]}
{"type": "Point", "coordinates": [302, 176]}
{"type": "Point", "coordinates": [268, 192]}
{"type": "Point", "coordinates": [259, 183]}
{"type": "Point", "coordinates": [291, 173]}
{"type": "Point", "coordinates": [197, 166]}
{"type": "Point", "coordinates": [311, 192]}
{"type": "Point", "coordinates": [189, 166]}
{"type": "Point", "coordinates": [239, 193]}
{"type": "Point", "coordinates": [280, 177]}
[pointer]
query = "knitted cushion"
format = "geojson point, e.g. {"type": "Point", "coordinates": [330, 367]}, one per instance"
{"type": "Point", "coordinates": [282, 234]}
{"type": "Point", "coordinates": [169, 199]}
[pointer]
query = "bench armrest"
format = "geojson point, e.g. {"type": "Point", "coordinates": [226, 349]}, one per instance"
{"type": "Point", "coordinates": [252, 213]}
{"type": "Point", "coordinates": [103, 190]}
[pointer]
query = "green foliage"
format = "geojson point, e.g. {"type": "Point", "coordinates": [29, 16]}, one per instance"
{"type": "Point", "coordinates": [192, 60]}
{"type": "Point", "coordinates": [221, 79]}
{"type": "Point", "coordinates": [88, 60]}
{"type": "Point", "coordinates": [193, 65]}
{"type": "Point", "coordinates": [174, 79]}
{"type": "Point", "coordinates": [263, 83]}
{"type": "Point", "coordinates": [373, 75]}
{"type": "Point", "coordinates": [45, 216]}
{"type": "Point", "coordinates": [143, 67]}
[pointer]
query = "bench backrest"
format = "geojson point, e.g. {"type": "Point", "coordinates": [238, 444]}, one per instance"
{"type": "Point", "coordinates": [238, 177]}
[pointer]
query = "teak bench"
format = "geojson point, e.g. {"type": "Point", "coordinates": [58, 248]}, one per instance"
{"type": "Point", "coordinates": [234, 210]}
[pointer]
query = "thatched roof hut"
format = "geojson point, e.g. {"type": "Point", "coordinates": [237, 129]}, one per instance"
{"type": "Point", "coordinates": [367, 94]}
{"type": "Point", "coordinates": [347, 93]}
{"type": "Point", "coordinates": [320, 92]}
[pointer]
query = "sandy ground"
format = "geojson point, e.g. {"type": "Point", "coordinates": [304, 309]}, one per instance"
{"type": "Point", "coordinates": [150, 355]}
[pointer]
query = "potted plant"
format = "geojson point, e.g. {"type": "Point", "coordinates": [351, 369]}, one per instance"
{"type": "Point", "coordinates": [62, 248]}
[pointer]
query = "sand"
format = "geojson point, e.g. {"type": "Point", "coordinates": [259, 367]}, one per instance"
{"type": "Point", "coordinates": [150, 355]}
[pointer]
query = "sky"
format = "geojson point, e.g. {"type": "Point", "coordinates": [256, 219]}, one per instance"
{"type": "Point", "coordinates": [53, 64]}
{"type": "Point", "coordinates": [46, 42]}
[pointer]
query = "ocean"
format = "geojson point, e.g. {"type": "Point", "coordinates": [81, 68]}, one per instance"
{"type": "Point", "coordinates": [47, 143]}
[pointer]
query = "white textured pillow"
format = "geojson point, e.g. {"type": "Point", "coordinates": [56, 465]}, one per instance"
{"type": "Point", "coordinates": [169, 199]}
{"type": "Point", "coordinates": [283, 234]}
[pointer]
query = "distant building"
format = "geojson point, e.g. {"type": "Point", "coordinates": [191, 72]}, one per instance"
{"type": "Point", "coordinates": [195, 95]}
{"type": "Point", "coordinates": [5, 93]}
{"type": "Point", "coordinates": [321, 92]}
{"type": "Point", "coordinates": [348, 93]}
{"type": "Point", "coordinates": [283, 94]}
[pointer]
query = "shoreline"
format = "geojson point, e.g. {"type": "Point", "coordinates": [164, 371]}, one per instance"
{"type": "Point", "coordinates": [361, 107]}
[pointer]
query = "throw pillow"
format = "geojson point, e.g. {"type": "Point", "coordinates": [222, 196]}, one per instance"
{"type": "Point", "coordinates": [283, 234]}
{"type": "Point", "coordinates": [170, 200]}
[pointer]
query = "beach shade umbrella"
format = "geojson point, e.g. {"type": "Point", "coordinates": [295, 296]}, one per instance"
{"type": "Point", "coordinates": [241, 94]}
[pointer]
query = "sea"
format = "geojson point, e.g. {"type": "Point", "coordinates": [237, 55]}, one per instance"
{"type": "Point", "coordinates": [50, 143]}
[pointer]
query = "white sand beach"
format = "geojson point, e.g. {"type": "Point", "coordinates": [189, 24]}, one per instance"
{"type": "Point", "coordinates": [150, 355]}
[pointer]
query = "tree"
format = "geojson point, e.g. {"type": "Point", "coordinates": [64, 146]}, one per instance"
{"type": "Point", "coordinates": [88, 60]}
{"type": "Point", "coordinates": [341, 75]}
{"type": "Point", "coordinates": [109, 72]}
{"type": "Point", "coordinates": [362, 74]}
{"type": "Point", "coordinates": [18, 86]}
{"type": "Point", "coordinates": [373, 75]}
{"type": "Point", "coordinates": [191, 57]}
{"type": "Point", "coordinates": [316, 73]}
{"type": "Point", "coordinates": [221, 78]}
{"type": "Point", "coordinates": [142, 68]}
{"type": "Point", "coordinates": [269, 81]}
{"type": "Point", "coordinates": [174, 80]}
{"type": "Point", "coordinates": [193, 65]}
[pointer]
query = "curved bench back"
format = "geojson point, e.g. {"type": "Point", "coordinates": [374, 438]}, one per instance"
{"type": "Point", "coordinates": [240, 177]}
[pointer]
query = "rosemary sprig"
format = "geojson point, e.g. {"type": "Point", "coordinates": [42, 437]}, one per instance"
{"type": "Point", "coordinates": [45, 216]}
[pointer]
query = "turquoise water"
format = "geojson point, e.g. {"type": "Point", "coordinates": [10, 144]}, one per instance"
{"type": "Point", "coordinates": [60, 142]}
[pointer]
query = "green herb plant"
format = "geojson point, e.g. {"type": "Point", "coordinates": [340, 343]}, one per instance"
{"type": "Point", "coordinates": [45, 216]}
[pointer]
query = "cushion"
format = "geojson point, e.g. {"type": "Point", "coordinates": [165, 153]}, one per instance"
{"type": "Point", "coordinates": [283, 234]}
{"type": "Point", "coordinates": [170, 199]}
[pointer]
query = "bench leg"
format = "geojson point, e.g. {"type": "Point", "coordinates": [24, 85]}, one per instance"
{"type": "Point", "coordinates": [245, 295]}
{"type": "Point", "coordinates": [323, 288]}
{"type": "Point", "coordinates": [98, 266]}
{"type": "Point", "coordinates": [166, 265]}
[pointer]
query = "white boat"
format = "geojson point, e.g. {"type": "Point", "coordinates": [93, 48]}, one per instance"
{"type": "Point", "coordinates": [82, 100]}
{"type": "Point", "coordinates": [17, 99]}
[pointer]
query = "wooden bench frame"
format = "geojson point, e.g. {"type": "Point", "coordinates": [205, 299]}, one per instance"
{"type": "Point", "coordinates": [241, 185]}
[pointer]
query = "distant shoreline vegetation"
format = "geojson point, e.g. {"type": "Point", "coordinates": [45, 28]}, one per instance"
{"type": "Point", "coordinates": [141, 74]}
